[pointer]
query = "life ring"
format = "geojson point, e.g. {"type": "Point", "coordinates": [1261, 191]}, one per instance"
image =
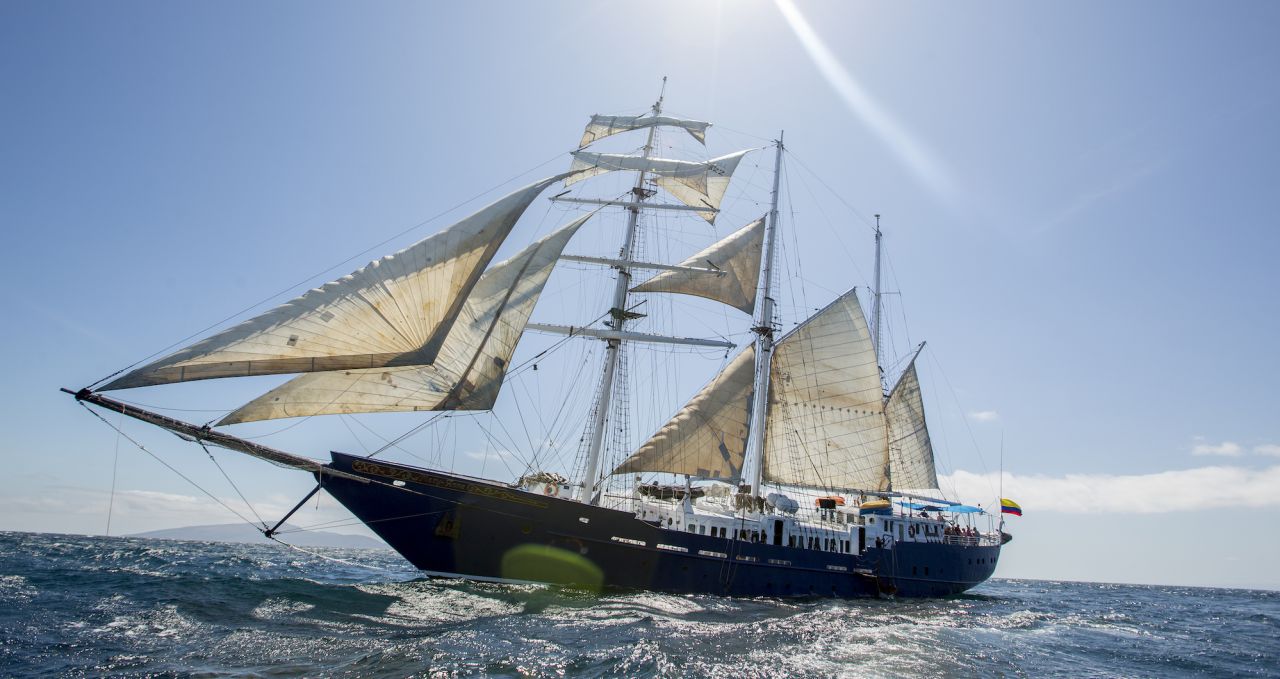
{"type": "Point", "coordinates": [911, 530]}
{"type": "Point", "coordinates": [550, 489]}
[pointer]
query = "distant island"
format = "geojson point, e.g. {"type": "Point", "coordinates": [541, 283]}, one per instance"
{"type": "Point", "coordinates": [239, 532]}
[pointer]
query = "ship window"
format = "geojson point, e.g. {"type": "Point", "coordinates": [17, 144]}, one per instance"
{"type": "Point", "coordinates": [926, 570]}
{"type": "Point", "coordinates": [584, 519]}
{"type": "Point", "coordinates": [702, 530]}
{"type": "Point", "coordinates": [692, 528]}
{"type": "Point", "coordinates": [913, 570]}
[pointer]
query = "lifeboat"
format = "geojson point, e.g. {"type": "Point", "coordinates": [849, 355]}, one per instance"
{"type": "Point", "coordinates": [877, 507]}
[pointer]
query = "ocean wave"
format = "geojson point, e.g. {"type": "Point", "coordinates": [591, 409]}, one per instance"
{"type": "Point", "coordinates": [101, 606]}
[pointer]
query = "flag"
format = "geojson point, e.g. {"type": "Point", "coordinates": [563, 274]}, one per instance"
{"type": "Point", "coordinates": [1008, 506]}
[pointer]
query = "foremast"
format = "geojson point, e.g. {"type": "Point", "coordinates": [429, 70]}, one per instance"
{"type": "Point", "coordinates": [764, 337]}
{"type": "Point", "coordinates": [619, 315]}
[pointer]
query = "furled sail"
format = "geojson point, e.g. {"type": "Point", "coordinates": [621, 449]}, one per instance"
{"type": "Point", "coordinates": [604, 126]}
{"type": "Point", "coordinates": [700, 185]}
{"type": "Point", "coordinates": [910, 451]}
{"type": "Point", "coordinates": [469, 369]}
{"type": "Point", "coordinates": [708, 437]}
{"type": "Point", "coordinates": [394, 311]}
{"type": "Point", "coordinates": [738, 259]}
{"type": "Point", "coordinates": [825, 426]}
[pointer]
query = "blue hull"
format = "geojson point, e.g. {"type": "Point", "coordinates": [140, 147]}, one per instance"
{"type": "Point", "coordinates": [455, 526]}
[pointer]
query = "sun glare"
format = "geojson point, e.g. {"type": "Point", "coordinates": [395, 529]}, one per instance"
{"type": "Point", "coordinates": [917, 158]}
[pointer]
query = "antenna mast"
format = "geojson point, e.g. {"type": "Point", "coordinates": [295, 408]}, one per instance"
{"type": "Point", "coordinates": [618, 316]}
{"type": "Point", "coordinates": [764, 337]}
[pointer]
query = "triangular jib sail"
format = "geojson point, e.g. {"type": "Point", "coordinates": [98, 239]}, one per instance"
{"type": "Point", "coordinates": [393, 312]}
{"type": "Point", "coordinates": [910, 450]}
{"type": "Point", "coordinates": [469, 369]}
{"type": "Point", "coordinates": [708, 437]}
{"type": "Point", "coordinates": [825, 426]}
{"type": "Point", "coordinates": [604, 126]}
{"type": "Point", "coordinates": [736, 257]}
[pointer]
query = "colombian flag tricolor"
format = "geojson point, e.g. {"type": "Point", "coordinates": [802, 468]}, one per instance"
{"type": "Point", "coordinates": [1008, 506]}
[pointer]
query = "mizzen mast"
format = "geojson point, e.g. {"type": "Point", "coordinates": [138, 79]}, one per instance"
{"type": "Point", "coordinates": [618, 313]}
{"type": "Point", "coordinates": [764, 337]}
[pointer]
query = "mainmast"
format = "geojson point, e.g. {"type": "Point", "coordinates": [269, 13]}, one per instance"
{"type": "Point", "coordinates": [618, 314]}
{"type": "Point", "coordinates": [764, 337]}
{"type": "Point", "coordinates": [875, 343]}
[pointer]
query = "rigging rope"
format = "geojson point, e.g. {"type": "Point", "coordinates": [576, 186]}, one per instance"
{"type": "Point", "coordinates": [157, 458]}
{"type": "Point", "coordinates": [115, 467]}
{"type": "Point", "coordinates": [839, 197]}
{"type": "Point", "coordinates": [233, 483]}
{"type": "Point", "coordinates": [513, 372]}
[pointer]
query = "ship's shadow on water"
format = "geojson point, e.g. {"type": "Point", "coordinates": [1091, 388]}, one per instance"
{"type": "Point", "coordinates": [130, 607]}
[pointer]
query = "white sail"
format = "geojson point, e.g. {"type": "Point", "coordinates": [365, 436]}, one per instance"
{"type": "Point", "coordinates": [700, 185]}
{"type": "Point", "coordinates": [708, 437]}
{"type": "Point", "coordinates": [910, 451]}
{"type": "Point", "coordinates": [825, 426]}
{"type": "Point", "coordinates": [469, 369]}
{"type": "Point", "coordinates": [394, 311]}
{"type": "Point", "coordinates": [604, 126]}
{"type": "Point", "coordinates": [737, 257]}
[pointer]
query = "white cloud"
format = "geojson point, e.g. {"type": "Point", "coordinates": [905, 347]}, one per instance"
{"type": "Point", "coordinates": [488, 455]}
{"type": "Point", "coordinates": [84, 510]}
{"type": "Point", "coordinates": [984, 416]}
{"type": "Point", "coordinates": [1224, 449]}
{"type": "Point", "coordinates": [1156, 493]}
{"type": "Point", "coordinates": [1267, 449]}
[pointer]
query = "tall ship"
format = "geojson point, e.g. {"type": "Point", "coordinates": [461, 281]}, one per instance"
{"type": "Point", "coordinates": [800, 468]}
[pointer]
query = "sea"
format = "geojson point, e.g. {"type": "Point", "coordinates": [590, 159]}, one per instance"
{"type": "Point", "coordinates": [131, 607]}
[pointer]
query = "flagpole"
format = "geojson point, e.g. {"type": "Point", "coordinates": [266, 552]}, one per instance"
{"type": "Point", "coordinates": [1000, 483]}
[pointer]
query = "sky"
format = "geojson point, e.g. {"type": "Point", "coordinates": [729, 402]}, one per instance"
{"type": "Point", "coordinates": [1077, 200]}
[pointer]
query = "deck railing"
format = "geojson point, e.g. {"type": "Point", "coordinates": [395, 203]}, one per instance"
{"type": "Point", "coordinates": [983, 539]}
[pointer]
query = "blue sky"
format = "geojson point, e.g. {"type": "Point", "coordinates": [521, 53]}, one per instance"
{"type": "Point", "coordinates": [1078, 199]}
